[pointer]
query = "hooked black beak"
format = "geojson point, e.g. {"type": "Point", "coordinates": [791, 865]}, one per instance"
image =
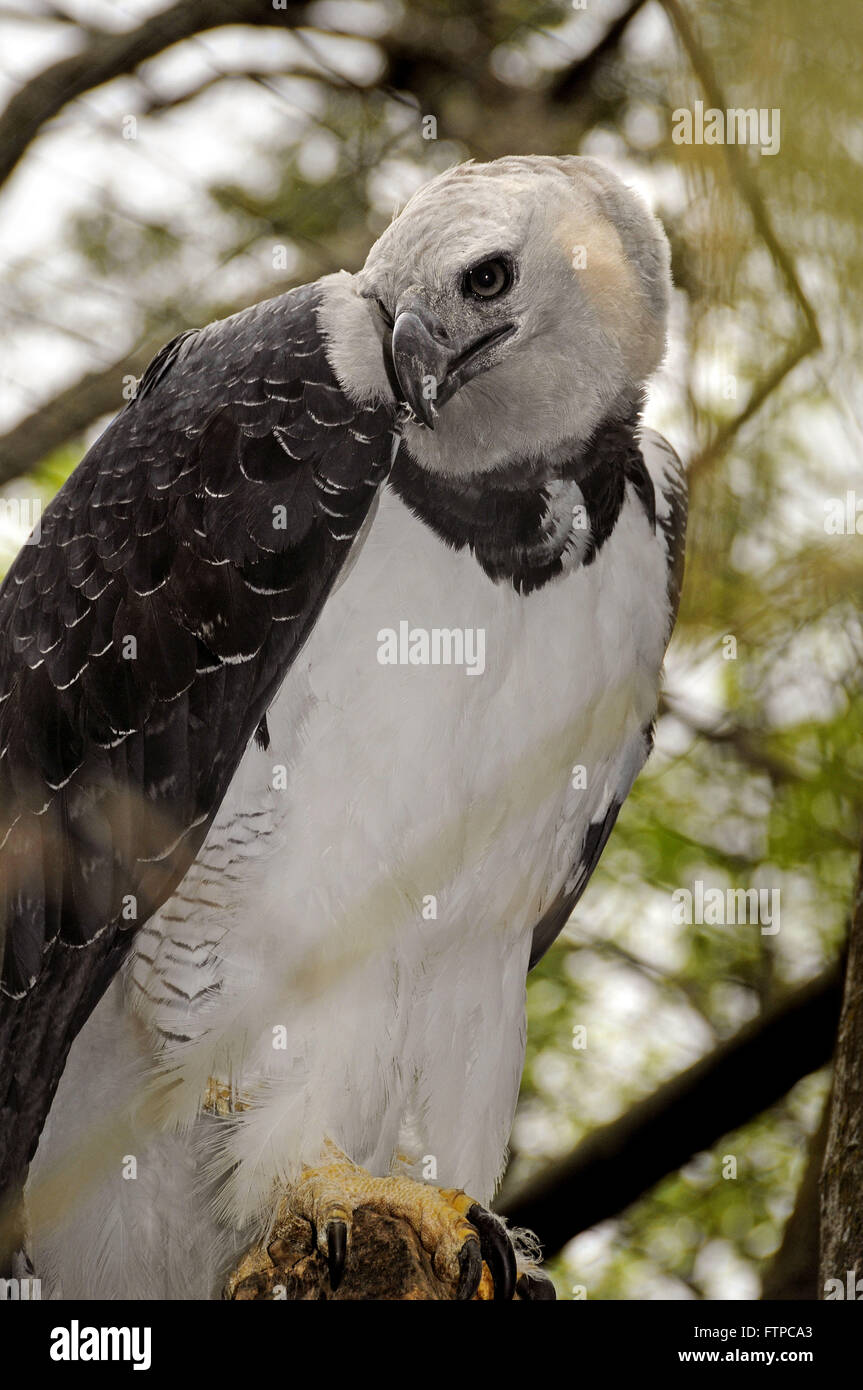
{"type": "Point", "coordinates": [429, 365]}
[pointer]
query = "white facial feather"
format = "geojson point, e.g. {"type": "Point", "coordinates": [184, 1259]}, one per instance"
{"type": "Point", "coordinates": [589, 303]}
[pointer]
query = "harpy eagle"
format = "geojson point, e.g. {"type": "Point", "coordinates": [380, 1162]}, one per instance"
{"type": "Point", "coordinates": [320, 692]}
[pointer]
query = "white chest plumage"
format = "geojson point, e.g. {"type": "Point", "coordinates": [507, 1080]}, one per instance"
{"type": "Point", "coordinates": [374, 875]}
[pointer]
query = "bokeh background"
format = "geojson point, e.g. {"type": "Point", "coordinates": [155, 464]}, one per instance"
{"type": "Point", "coordinates": [164, 165]}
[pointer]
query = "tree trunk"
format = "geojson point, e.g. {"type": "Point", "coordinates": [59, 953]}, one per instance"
{"type": "Point", "coordinates": [793, 1273]}
{"type": "Point", "coordinates": [842, 1176]}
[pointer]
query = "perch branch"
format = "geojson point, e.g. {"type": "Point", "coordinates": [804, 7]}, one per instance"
{"type": "Point", "coordinates": [620, 1161]}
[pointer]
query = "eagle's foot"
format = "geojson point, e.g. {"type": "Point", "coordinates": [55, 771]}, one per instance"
{"type": "Point", "coordinates": [457, 1232]}
{"type": "Point", "coordinates": [469, 1247]}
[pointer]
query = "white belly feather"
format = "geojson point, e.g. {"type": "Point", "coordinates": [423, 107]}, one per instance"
{"type": "Point", "coordinates": [417, 824]}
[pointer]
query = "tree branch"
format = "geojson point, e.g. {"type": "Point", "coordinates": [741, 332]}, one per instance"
{"type": "Point", "coordinates": [71, 412]}
{"type": "Point", "coordinates": [810, 338]}
{"type": "Point", "coordinates": [572, 80]}
{"type": "Point", "coordinates": [620, 1161]}
{"type": "Point", "coordinates": [154, 104]}
{"type": "Point", "coordinates": [742, 741]}
{"type": "Point", "coordinates": [113, 55]}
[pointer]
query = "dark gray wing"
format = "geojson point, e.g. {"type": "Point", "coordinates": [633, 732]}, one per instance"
{"type": "Point", "coordinates": [666, 472]}
{"type": "Point", "coordinates": [142, 638]}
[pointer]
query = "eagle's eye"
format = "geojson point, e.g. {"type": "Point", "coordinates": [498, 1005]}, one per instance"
{"type": "Point", "coordinates": [487, 280]}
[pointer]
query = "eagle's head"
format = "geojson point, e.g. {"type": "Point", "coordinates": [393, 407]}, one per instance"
{"type": "Point", "coordinates": [518, 304]}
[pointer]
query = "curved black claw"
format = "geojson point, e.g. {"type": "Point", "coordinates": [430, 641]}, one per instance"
{"type": "Point", "coordinates": [535, 1287]}
{"type": "Point", "coordinates": [470, 1269]}
{"type": "Point", "coordinates": [337, 1249]}
{"type": "Point", "coordinates": [497, 1251]}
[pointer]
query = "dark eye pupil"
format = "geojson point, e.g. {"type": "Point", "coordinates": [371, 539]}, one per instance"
{"type": "Point", "coordinates": [488, 279]}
